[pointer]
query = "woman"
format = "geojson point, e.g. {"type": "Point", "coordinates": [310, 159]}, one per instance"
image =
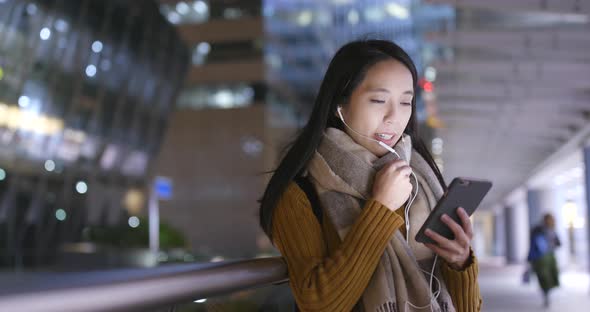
{"type": "Point", "coordinates": [359, 252]}
{"type": "Point", "coordinates": [543, 242]}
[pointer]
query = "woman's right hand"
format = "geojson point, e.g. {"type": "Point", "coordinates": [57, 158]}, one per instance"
{"type": "Point", "coordinates": [392, 186]}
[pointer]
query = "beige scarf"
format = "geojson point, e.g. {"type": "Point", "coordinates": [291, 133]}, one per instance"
{"type": "Point", "coordinates": [343, 172]}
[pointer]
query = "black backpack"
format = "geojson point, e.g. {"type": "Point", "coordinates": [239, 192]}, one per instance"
{"type": "Point", "coordinates": [312, 196]}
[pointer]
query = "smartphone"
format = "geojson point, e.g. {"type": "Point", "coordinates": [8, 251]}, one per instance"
{"type": "Point", "coordinates": [462, 192]}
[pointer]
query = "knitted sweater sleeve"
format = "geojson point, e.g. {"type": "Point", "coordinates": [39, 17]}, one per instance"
{"type": "Point", "coordinates": [463, 286]}
{"type": "Point", "coordinates": [322, 282]}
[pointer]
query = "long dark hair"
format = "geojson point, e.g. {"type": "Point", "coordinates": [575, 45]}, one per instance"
{"type": "Point", "coordinates": [345, 72]}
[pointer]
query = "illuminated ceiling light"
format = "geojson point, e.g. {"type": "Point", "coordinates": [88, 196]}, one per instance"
{"type": "Point", "coordinates": [173, 17]}
{"type": "Point", "coordinates": [60, 214]}
{"type": "Point", "coordinates": [97, 46]}
{"type": "Point", "coordinates": [570, 212]}
{"type": "Point", "coordinates": [49, 165]}
{"type": "Point", "coordinates": [224, 98]}
{"type": "Point", "coordinates": [61, 25]}
{"type": "Point", "coordinates": [374, 14]}
{"type": "Point", "coordinates": [437, 146]}
{"type": "Point", "coordinates": [204, 48]}
{"type": "Point", "coordinates": [133, 222]}
{"type": "Point", "coordinates": [45, 33]}
{"type": "Point", "coordinates": [81, 187]}
{"type": "Point", "coordinates": [397, 10]}
{"type": "Point", "coordinates": [24, 101]}
{"type": "Point", "coordinates": [251, 146]}
{"type": "Point", "coordinates": [182, 8]}
{"type": "Point", "coordinates": [31, 9]}
{"type": "Point", "coordinates": [217, 259]}
{"type": "Point", "coordinates": [200, 7]}
{"type": "Point", "coordinates": [430, 74]}
{"type": "Point", "coordinates": [304, 18]}
{"type": "Point", "coordinates": [90, 70]}
{"type": "Point", "coordinates": [353, 17]}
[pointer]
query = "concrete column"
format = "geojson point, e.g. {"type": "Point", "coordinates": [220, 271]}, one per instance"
{"type": "Point", "coordinates": [587, 187]}
{"type": "Point", "coordinates": [535, 206]}
{"type": "Point", "coordinates": [499, 248]}
{"type": "Point", "coordinates": [510, 239]}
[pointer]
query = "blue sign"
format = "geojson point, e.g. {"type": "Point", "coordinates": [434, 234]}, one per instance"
{"type": "Point", "coordinates": [163, 187]}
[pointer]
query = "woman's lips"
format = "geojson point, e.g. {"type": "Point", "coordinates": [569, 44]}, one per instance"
{"type": "Point", "coordinates": [385, 140]}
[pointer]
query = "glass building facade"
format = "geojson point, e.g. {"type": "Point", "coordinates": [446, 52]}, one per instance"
{"type": "Point", "coordinates": [86, 89]}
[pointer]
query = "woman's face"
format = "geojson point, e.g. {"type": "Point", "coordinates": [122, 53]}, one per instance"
{"type": "Point", "coordinates": [381, 105]}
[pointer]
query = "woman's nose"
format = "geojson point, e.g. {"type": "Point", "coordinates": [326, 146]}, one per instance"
{"type": "Point", "coordinates": [389, 117]}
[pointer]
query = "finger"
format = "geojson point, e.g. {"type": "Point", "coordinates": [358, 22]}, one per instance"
{"type": "Point", "coordinates": [445, 254]}
{"type": "Point", "coordinates": [449, 256]}
{"type": "Point", "coordinates": [443, 242]}
{"type": "Point", "coordinates": [406, 170]}
{"type": "Point", "coordinates": [460, 235]}
{"type": "Point", "coordinates": [467, 227]}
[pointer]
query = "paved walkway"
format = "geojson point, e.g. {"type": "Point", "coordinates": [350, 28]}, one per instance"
{"type": "Point", "coordinates": [503, 291]}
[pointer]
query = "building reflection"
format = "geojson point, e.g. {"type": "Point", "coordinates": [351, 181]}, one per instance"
{"type": "Point", "coordinates": [86, 89]}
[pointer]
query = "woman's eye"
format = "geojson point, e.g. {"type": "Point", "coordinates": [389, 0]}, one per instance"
{"type": "Point", "coordinates": [377, 101]}
{"type": "Point", "coordinates": [406, 103]}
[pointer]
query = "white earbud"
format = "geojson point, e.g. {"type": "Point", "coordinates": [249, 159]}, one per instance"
{"type": "Point", "coordinates": [340, 114]}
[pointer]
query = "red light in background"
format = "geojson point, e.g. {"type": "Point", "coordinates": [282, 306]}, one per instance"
{"type": "Point", "coordinates": [421, 82]}
{"type": "Point", "coordinates": [428, 86]}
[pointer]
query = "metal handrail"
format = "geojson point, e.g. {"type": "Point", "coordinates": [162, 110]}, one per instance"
{"type": "Point", "coordinates": [138, 289]}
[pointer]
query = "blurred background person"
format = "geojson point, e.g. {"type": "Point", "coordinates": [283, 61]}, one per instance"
{"type": "Point", "coordinates": [544, 241]}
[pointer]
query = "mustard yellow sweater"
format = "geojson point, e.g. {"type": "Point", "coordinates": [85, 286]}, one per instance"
{"type": "Point", "coordinates": [327, 274]}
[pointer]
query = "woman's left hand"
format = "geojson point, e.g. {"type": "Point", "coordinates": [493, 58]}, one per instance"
{"type": "Point", "coordinates": [455, 252]}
